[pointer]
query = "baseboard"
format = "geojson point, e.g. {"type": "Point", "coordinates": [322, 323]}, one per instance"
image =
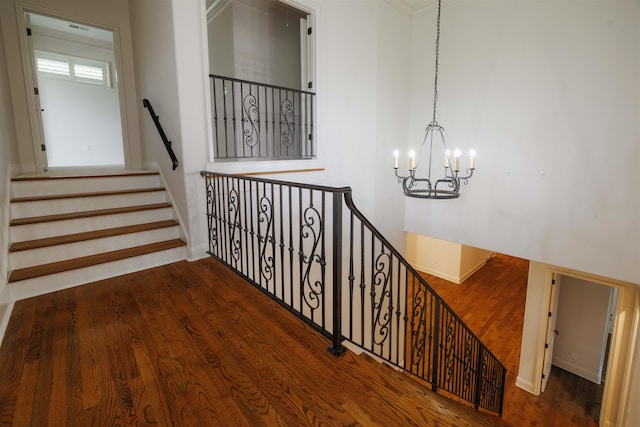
{"type": "Point", "coordinates": [194, 253]}
{"type": "Point", "coordinates": [526, 385]}
{"type": "Point", "coordinates": [475, 268]}
{"type": "Point", "coordinates": [6, 307]}
{"type": "Point", "coordinates": [577, 370]}
{"type": "Point", "coordinates": [440, 274]}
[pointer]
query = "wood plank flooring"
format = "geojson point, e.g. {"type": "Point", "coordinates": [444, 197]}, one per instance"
{"type": "Point", "coordinates": [492, 303]}
{"type": "Point", "coordinates": [191, 344]}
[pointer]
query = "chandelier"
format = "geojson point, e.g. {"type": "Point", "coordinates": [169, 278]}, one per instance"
{"type": "Point", "coordinates": [448, 186]}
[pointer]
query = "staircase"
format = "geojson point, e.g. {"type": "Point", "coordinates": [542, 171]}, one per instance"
{"type": "Point", "coordinates": [71, 230]}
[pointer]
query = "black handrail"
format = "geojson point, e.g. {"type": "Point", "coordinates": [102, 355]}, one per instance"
{"type": "Point", "coordinates": [165, 140]}
{"type": "Point", "coordinates": [333, 269]}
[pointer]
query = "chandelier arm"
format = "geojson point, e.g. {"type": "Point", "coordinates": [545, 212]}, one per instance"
{"type": "Point", "coordinates": [428, 130]}
{"type": "Point", "coordinates": [466, 178]}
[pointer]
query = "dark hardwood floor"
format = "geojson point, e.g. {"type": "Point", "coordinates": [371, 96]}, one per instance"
{"type": "Point", "coordinates": [191, 344]}
{"type": "Point", "coordinates": [492, 303]}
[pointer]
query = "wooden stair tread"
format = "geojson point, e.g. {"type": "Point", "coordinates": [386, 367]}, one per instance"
{"type": "Point", "coordinates": [87, 261]}
{"type": "Point", "coordinates": [97, 234]}
{"type": "Point", "coordinates": [87, 214]}
{"type": "Point", "coordinates": [109, 175]}
{"type": "Point", "coordinates": [79, 195]}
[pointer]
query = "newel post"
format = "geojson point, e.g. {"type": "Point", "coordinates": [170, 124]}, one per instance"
{"type": "Point", "coordinates": [336, 347]}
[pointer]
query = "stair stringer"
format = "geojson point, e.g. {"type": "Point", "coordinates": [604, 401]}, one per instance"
{"type": "Point", "coordinates": [183, 230]}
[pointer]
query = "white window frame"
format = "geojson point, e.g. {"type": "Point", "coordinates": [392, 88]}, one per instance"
{"type": "Point", "coordinates": [73, 62]}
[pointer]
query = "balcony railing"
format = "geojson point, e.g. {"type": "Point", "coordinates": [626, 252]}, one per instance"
{"type": "Point", "coordinates": [329, 266]}
{"type": "Point", "coordinates": [254, 121]}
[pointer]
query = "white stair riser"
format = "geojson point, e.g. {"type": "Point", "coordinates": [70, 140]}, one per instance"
{"type": "Point", "coordinates": [68, 279]}
{"type": "Point", "coordinates": [81, 204]}
{"type": "Point", "coordinates": [48, 187]}
{"type": "Point", "coordinates": [39, 256]}
{"type": "Point", "coordinates": [21, 233]}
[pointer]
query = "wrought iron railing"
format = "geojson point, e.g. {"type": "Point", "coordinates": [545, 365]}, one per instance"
{"type": "Point", "coordinates": [255, 121]}
{"type": "Point", "coordinates": [334, 270]}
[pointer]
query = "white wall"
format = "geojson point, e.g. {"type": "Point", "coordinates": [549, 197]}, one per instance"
{"type": "Point", "coordinates": [8, 157]}
{"type": "Point", "coordinates": [547, 93]}
{"type": "Point", "coordinates": [266, 50]}
{"type": "Point", "coordinates": [362, 84]}
{"type": "Point", "coordinates": [172, 71]}
{"type": "Point", "coordinates": [583, 309]}
{"type": "Point", "coordinates": [220, 43]}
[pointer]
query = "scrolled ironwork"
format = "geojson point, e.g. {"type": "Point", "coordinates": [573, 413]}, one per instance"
{"type": "Point", "coordinates": [212, 216]}
{"type": "Point", "coordinates": [311, 231]}
{"type": "Point", "coordinates": [234, 224]}
{"type": "Point", "coordinates": [287, 135]}
{"type": "Point", "coordinates": [468, 368]}
{"type": "Point", "coordinates": [419, 333]}
{"type": "Point", "coordinates": [250, 120]}
{"type": "Point", "coordinates": [381, 300]}
{"type": "Point", "coordinates": [265, 237]}
{"type": "Point", "coordinates": [450, 350]}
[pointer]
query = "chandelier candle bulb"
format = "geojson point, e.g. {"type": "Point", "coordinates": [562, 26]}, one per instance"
{"type": "Point", "coordinates": [472, 159]}
{"type": "Point", "coordinates": [456, 160]}
{"type": "Point", "coordinates": [412, 160]}
{"type": "Point", "coordinates": [446, 158]}
{"type": "Point", "coordinates": [396, 154]}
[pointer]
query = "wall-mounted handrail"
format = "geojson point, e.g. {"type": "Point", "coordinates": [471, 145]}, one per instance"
{"type": "Point", "coordinates": [309, 248]}
{"type": "Point", "coordinates": [165, 140]}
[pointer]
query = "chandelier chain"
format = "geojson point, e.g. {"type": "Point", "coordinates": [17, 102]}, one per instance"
{"type": "Point", "coordinates": [435, 84]}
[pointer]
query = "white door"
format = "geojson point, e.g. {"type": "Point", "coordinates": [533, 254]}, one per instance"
{"type": "Point", "coordinates": [551, 330]}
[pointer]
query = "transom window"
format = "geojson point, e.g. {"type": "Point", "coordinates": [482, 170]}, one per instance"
{"type": "Point", "coordinates": [72, 68]}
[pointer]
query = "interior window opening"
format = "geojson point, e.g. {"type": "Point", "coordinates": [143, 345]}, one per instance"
{"type": "Point", "coordinates": [261, 81]}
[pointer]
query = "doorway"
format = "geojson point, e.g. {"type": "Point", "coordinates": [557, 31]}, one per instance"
{"type": "Point", "coordinates": [76, 79]}
{"type": "Point", "coordinates": [580, 323]}
{"type": "Point", "coordinates": [585, 310]}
